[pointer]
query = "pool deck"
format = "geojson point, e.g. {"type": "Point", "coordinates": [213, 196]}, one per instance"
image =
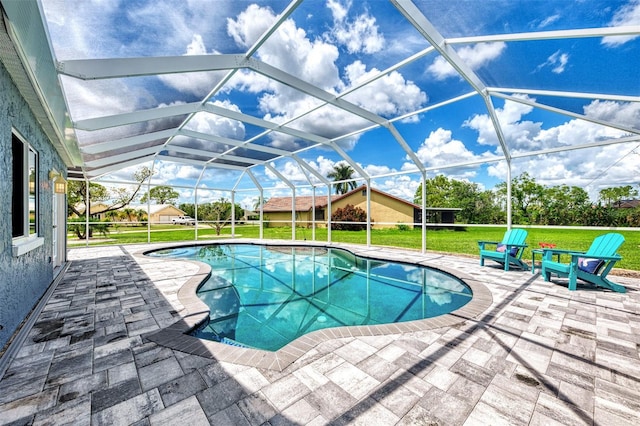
{"type": "Point", "coordinates": [535, 353]}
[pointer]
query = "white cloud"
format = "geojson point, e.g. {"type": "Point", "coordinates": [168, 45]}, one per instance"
{"type": "Point", "coordinates": [390, 95]}
{"type": "Point", "coordinates": [250, 24]}
{"type": "Point", "coordinates": [195, 83]}
{"type": "Point", "coordinates": [103, 29]}
{"type": "Point", "coordinates": [595, 167]}
{"type": "Point", "coordinates": [627, 113]}
{"type": "Point", "coordinates": [518, 134]}
{"type": "Point", "coordinates": [314, 60]}
{"type": "Point", "coordinates": [289, 48]}
{"type": "Point", "coordinates": [475, 56]}
{"type": "Point", "coordinates": [557, 61]}
{"type": "Point", "coordinates": [401, 186]}
{"type": "Point", "coordinates": [441, 149]}
{"type": "Point", "coordinates": [627, 15]}
{"type": "Point", "coordinates": [217, 125]}
{"type": "Point", "coordinates": [359, 35]}
{"type": "Point", "coordinates": [548, 21]}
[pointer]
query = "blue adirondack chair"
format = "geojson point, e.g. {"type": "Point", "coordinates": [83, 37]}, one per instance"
{"type": "Point", "coordinates": [508, 251]}
{"type": "Point", "coordinates": [591, 266]}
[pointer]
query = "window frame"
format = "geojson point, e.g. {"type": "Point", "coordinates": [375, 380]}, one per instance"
{"type": "Point", "coordinates": [26, 180]}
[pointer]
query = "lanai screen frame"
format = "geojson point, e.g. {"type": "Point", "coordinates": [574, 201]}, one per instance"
{"type": "Point", "coordinates": [91, 169]}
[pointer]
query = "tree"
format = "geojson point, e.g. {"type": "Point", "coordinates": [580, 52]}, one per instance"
{"type": "Point", "coordinates": [129, 214]}
{"type": "Point", "coordinates": [562, 205]}
{"type": "Point", "coordinates": [161, 195]}
{"type": "Point", "coordinates": [260, 201]}
{"type": "Point", "coordinates": [488, 209]}
{"type": "Point", "coordinates": [77, 193]}
{"type": "Point", "coordinates": [349, 218]}
{"type": "Point", "coordinates": [141, 215]}
{"type": "Point", "coordinates": [218, 214]}
{"type": "Point", "coordinates": [189, 209]}
{"type": "Point", "coordinates": [452, 193]}
{"type": "Point", "coordinates": [343, 173]}
{"type": "Point", "coordinates": [526, 195]}
{"type": "Point", "coordinates": [614, 196]}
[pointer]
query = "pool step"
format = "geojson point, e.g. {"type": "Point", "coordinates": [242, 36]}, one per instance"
{"type": "Point", "coordinates": [232, 342]}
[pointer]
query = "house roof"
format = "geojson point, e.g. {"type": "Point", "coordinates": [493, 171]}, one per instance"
{"type": "Point", "coordinates": [303, 203]}
{"type": "Point", "coordinates": [155, 208]}
{"type": "Point", "coordinates": [627, 204]}
{"type": "Point", "coordinates": [385, 194]}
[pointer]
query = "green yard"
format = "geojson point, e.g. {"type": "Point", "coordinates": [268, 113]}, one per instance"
{"type": "Point", "coordinates": [441, 240]}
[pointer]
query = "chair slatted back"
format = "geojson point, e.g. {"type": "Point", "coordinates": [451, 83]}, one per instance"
{"type": "Point", "coordinates": [605, 245]}
{"type": "Point", "coordinates": [515, 236]}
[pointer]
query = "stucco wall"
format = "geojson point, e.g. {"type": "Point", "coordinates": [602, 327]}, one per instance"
{"type": "Point", "coordinates": [383, 209]}
{"type": "Point", "coordinates": [167, 213]}
{"type": "Point", "coordinates": [23, 280]}
{"type": "Point", "coordinates": [303, 219]}
{"type": "Point", "coordinates": [274, 219]}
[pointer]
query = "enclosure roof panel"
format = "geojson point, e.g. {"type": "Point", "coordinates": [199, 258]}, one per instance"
{"type": "Point", "coordinates": [289, 89]}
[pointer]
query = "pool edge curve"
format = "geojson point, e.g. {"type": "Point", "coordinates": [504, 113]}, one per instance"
{"type": "Point", "coordinates": [196, 312]}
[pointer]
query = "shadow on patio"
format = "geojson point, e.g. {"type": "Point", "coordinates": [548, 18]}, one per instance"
{"type": "Point", "coordinates": [539, 354]}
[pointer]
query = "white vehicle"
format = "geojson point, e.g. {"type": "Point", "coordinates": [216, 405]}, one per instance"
{"type": "Point", "coordinates": [183, 220]}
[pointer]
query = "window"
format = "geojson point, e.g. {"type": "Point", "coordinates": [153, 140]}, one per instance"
{"type": "Point", "coordinates": [24, 201]}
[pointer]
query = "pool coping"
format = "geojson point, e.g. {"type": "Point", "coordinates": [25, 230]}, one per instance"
{"type": "Point", "coordinates": [196, 312]}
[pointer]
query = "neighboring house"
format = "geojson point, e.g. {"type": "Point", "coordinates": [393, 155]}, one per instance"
{"type": "Point", "coordinates": [627, 204]}
{"type": "Point", "coordinates": [277, 210]}
{"type": "Point", "coordinates": [96, 210]}
{"type": "Point", "coordinates": [161, 213]}
{"type": "Point", "coordinates": [33, 167]}
{"type": "Point", "coordinates": [387, 211]}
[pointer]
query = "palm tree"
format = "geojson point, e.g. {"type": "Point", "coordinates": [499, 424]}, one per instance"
{"type": "Point", "coordinates": [141, 215]}
{"type": "Point", "coordinates": [343, 172]}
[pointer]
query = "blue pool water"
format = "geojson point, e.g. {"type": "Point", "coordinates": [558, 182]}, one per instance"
{"type": "Point", "coordinates": [267, 296]}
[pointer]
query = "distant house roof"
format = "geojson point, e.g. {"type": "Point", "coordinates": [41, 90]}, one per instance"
{"type": "Point", "coordinates": [627, 204]}
{"type": "Point", "coordinates": [363, 188]}
{"type": "Point", "coordinates": [303, 203]}
{"type": "Point", "coordinates": [155, 208]}
{"type": "Point", "coordinates": [409, 203]}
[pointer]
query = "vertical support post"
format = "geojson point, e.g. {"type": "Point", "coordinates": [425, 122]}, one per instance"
{"type": "Point", "coordinates": [261, 214]}
{"type": "Point", "coordinates": [293, 213]}
{"type": "Point", "coordinates": [153, 165]}
{"type": "Point", "coordinates": [313, 213]}
{"type": "Point", "coordinates": [368, 212]}
{"type": "Point", "coordinates": [424, 212]}
{"type": "Point", "coordinates": [233, 214]}
{"type": "Point", "coordinates": [87, 212]}
{"type": "Point", "coordinates": [195, 209]}
{"type": "Point", "coordinates": [509, 218]}
{"type": "Point", "coordinates": [329, 187]}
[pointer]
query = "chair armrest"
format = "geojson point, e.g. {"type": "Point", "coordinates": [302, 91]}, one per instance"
{"type": "Point", "coordinates": [614, 257]}
{"type": "Point", "coordinates": [561, 251]}
{"type": "Point", "coordinates": [482, 243]}
{"type": "Point", "coordinates": [547, 253]}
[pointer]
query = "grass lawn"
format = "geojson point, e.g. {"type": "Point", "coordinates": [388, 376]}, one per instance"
{"type": "Point", "coordinates": [441, 240]}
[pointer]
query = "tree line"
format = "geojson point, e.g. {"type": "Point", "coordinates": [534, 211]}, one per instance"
{"type": "Point", "coordinates": [532, 203]}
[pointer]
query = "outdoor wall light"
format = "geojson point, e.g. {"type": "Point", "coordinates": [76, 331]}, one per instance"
{"type": "Point", "coordinates": [59, 183]}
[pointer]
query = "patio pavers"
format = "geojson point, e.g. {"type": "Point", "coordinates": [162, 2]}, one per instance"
{"type": "Point", "coordinates": [538, 354]}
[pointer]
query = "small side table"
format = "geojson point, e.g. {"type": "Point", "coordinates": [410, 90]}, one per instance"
{"type": "Point", "coordinates": [540, 251]}
{"type": "Point", "coordinates": [535, 252]}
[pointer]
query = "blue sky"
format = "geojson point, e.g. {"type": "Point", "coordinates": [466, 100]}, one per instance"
{"type": "Point", "coordinates": [335, 45]}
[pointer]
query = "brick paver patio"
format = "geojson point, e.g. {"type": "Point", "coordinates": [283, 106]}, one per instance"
{"type": "Point", "coordinates": [538, 355]}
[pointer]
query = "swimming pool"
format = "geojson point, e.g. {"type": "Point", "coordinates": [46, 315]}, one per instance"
{"type": "Point", "coordinates": [265, 297]}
